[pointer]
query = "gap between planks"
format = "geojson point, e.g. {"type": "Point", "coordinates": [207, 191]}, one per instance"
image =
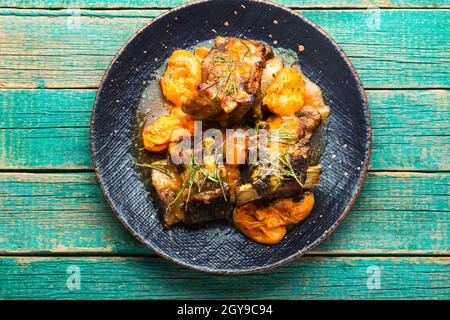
{"type": "Point", "coordinates": [161, 4]}
{"type": "Point", "coordinates": [386, 6]}
{"type": "Point", "coordinates": [152, 13]}
{"type": "Point", "coordinates": [332, 253]}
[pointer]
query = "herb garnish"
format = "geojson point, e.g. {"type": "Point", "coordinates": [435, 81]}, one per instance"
{"type": "Point", "coordinates": [249, 51]}
{"type": "Point", "coordinates": [160, 167]}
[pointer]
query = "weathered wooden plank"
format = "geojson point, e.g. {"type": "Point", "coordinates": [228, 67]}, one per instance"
{"type": "Point", "coordinates": [411, 129]}
{"type": "Point", "coordinates": [47, 129]}
{"type": "Point", "coordinates": [170, 3]}
{"type": "Point", "coordinates": [150, 278]}
{"type": "Point", "coordinates": [66, 213]}
{"type": "Point", "coordinates": [50, 49]}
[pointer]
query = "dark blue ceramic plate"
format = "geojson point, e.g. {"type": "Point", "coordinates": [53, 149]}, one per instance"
{"type": "Point", "coordinates": [219, 247]}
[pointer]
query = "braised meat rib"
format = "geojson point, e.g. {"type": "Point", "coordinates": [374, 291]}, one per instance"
{"type": "Point", "coordinates": [260, 173]}
{"type": "Point", "coordinates": [282, 173]}
{"type": "Point", "coordinates": [231, 80]}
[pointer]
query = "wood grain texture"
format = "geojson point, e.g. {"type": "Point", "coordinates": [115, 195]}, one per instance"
{"type": "Point", "coordinates": [149, 278]}
{"type": "Point", "coordinates": [49, 129]}
{"type": "Point", "coordinates": [51, 49]}
{"type": "Point", "coordinates": [53, 214]}
{"type": "Point", "coordinates": [411, 129]}
{"type": "Point", "coordinates": [396, 213]}
{"type": "Point", "coordinates": [170, 3]}
{"type": "Point", "coordinates": [45, 129]}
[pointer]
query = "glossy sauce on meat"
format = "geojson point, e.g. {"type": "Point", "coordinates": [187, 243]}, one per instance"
{"type": "Point", "coordinates": [234, 81]}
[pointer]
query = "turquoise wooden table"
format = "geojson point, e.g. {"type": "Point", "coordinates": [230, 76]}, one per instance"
{"type": "Point", "coordinates": [59, 238]}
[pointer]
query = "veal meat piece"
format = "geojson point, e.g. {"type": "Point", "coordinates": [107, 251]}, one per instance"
{"type": "Point", "coordinates": [199, 194]}
{"type": "Point", "coordinates": [283, 173]}
{"type": "Point", "coordinates": [167, 183]}
{"type": "Point", "coordinates": [208, 205]}
{"type": "Point", "coordinates": [212, 194]}
{"type": "Point", "coordinates": [231, 80]}
{"type": "Point", "coordinates": [247, 193]}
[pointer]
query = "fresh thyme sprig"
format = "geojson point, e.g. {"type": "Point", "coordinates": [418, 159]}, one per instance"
{"type": "Point", "coordinates": [229, 83]}
{"type": "Point", "coordinates": [191, 178]}
{"type": "Point", "coordinates": [280, 171]}
{"type": "Point", "coordinates": [161, 168]}
{"type": "Point", "coordinates": [176, 199]}
{"type": "Point", "coordinates": [249, 51]}
{"type": "Point", "coordinates": [223, 58]}
{"type": "Point", "coordinates": [291, 169]}
{"type": "Point", "coordinates": [276, 135]}
{"type": "Point", "coordinates": [210, 85]}
{"type": "Point", "coordinates": [219, 178]}
{"type": "Point", "coordinates": [198, 174]}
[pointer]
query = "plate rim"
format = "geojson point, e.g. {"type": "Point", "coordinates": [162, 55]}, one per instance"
{"type": "Point", "coordinates": [299, 253]}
